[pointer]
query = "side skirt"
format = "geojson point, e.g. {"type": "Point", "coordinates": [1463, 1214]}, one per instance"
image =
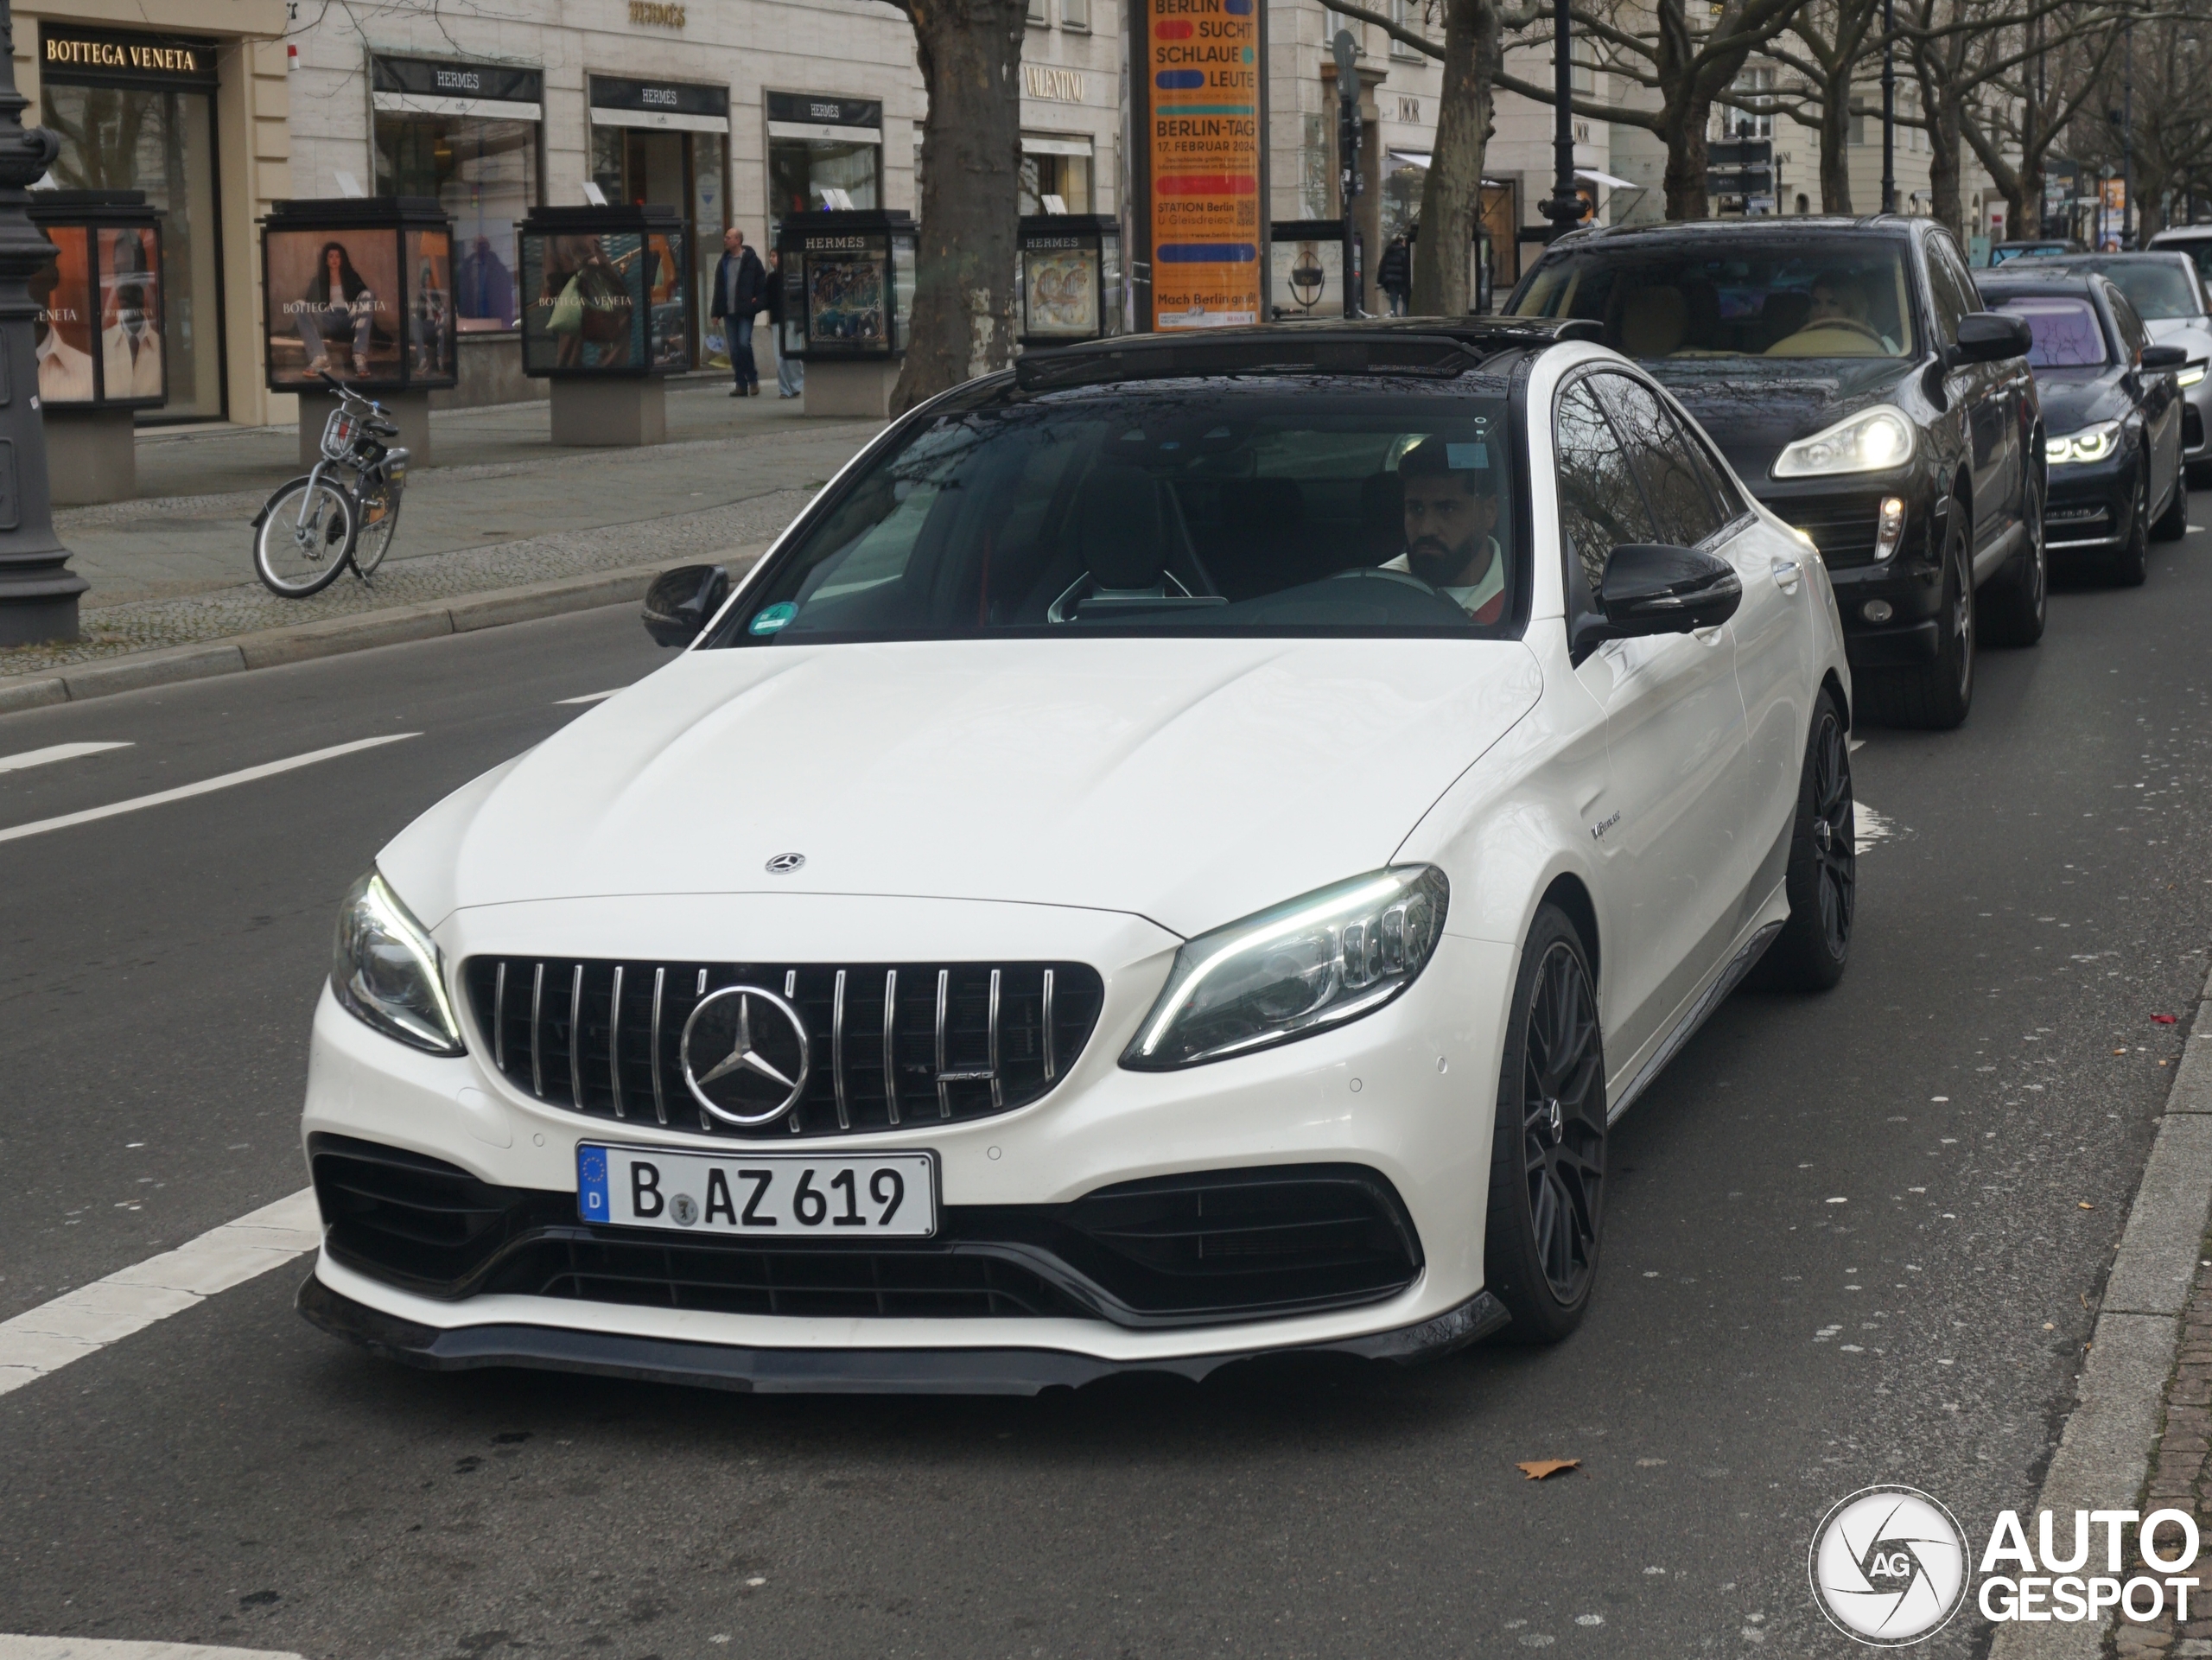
{"type": "Point", "coordinates": [1696, 1016]}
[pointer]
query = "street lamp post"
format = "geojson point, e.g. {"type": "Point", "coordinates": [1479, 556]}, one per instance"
{"type": "Point", "coordinates": [2127, 140]}
{"type": "Point", "coordinates": [1888, 106]}
{"type": "Point", "coordinates": [38, 591]}
{"type": "Point", "coordinates": [1564, 209]}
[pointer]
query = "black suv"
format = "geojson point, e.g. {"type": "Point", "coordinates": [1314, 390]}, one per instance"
{"type": "Point", "coordinates": [1848, 371]}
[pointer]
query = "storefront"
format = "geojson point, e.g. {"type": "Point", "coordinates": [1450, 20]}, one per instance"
{"type": "Point", "coordinates": [467, 134]}
{"type": "Point", "coordinates": [666, 144]}
{"type": "Point", "coordinates": [825, 154]}
{"type": "Point", "coordinates": [1056, 172]}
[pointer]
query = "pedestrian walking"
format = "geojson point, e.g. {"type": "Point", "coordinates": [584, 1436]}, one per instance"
{"type": "Point", "coordinates": [1395, 276]}
{"type": "Point", "coordinates": [740, 289]}
{"type": "Point", "coordinates": [790, 374]}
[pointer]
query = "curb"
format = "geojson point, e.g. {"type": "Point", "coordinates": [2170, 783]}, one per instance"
{"type": "Point", "coordinates": [2103, 1458]}
{"type": "Point", "coordinates": [334, 636]}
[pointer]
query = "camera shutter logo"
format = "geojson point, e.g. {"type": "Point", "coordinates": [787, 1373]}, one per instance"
{"type": "Point", "coordinates": [1888, 1566]}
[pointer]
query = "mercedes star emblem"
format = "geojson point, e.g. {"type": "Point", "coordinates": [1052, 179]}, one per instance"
{"type": "Point", "coordinates": [783, 863]}
{"type": "Point", "coordinates": [765, 1055]}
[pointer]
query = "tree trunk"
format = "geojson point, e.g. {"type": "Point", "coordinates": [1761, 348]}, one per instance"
{"type": "Point", "coordinates": [1944, 200]}
{"type": "Point", "coordinates": [1686, 158]}
{"type": "Point", "coordinates": [2023, 201]}
{"type": "Point", "coordinates": [1450, 199]}
{"type": "Point", "coordinates": [1835, 144]}
{"type": "Point", "coordinates": [2151, 210]}
{"type": "Point", "coordinates": [964, 302]}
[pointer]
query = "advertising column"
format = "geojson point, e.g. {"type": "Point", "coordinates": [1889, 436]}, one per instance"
{"type": "Point", "coordinates": [1201, 118]}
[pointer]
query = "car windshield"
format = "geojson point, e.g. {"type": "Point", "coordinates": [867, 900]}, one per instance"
{"type": "Point", "coordinates": [2157, 289]}
{"type": "Point", "coordinates": [2066, 332]}
{"type": "Point", "coordinates": [1283, 506]}
{"type": "Point", "coordinates": [1752, 297]}
{"type": "Point", "coordinates": [2199, 249]}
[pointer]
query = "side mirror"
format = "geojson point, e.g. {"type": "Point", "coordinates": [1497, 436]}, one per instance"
{"type": "Point", "coordinates": [1650, 588]}
{"type": "Point", "coordinates": [1990, 337]}
{"type": "Point", "coordinates": [679, 602]}
{"type": "Point", "coordinates": [2164, 357]}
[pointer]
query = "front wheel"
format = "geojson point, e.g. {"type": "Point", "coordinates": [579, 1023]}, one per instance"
{"type": "Point", "coordinates": [1548, 1152]}
{"type": "Point", "coordinates": [2173, 523]}
{"type": "Point", "coordinates": [1813, 947]}
{"type": "Point", "coordinates": [303, 540]}
{"type": "Point", "coordinates": [2017, 609]}
{"type": "Point", "coordinates": [1935, 695]}
{"type": "Point", "coordinates": [2131, 561]}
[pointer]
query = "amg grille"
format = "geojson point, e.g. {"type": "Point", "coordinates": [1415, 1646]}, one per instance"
{"type": "Point", "coordinates": [891, 1045]}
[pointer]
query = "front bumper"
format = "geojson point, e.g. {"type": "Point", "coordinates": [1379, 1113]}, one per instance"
{"type": "Point", "coordinates": [1407, 1093]}
{"type": "Point", "coordinates": [1843, 524]}
{"type": "Point", "coordinates": [2092, 504]}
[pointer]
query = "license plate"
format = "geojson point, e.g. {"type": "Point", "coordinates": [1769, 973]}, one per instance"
{"type": "Point", "coordinates": [772, 1195]}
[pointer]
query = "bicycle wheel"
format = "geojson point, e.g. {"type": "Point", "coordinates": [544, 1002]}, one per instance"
{"type": "Point", "coordinates": [379, 518]}
{"type": "Point", "coordinates": [302, 544]}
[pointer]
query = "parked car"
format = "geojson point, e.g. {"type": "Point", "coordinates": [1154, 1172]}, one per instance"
{"type": "Point", "coordinates": [2194, 240]}
{"type": "Point", "coordinates": [1848, 371]}
{"type": "Point", "coordinates": [2168, 292]}
{"type": "Point", "coordinates": [2112, 410]}
{"type": "Point", "coordinates": [2031, 247]}
{"type": "Point", "coordinates": [1181, 852]}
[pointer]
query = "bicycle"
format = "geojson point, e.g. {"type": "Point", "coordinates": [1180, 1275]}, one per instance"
{"type": "Point", "coordinates": [302, 551]}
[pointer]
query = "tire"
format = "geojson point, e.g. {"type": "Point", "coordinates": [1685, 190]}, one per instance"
{"type": "Point", "coordinates": [2130, 563]}
{"type": "Point", "coordinates": [379, 522]}
{"type": "Point", "coordinates": [2173, 523]}
{"type": "Point", "coordinates": [1935, 695]}
{"type": "Point", "coordinates": [1813, 947]}
{"type": "Point", "coordinates": [2014, 613]}
{"type": "Point", "coordinates": [1548, 1155]}
{"type": "Point", "coordinates": [296, 563]}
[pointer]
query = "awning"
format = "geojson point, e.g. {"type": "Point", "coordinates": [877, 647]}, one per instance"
{"type": "Point", "coordinates": [1039, 144]}
{"type": "Point", "coordinates": [488, 108]}
{"type": "Point", "coordinates": [1411, 157]}
{"type": "Point", "coordinates": [824, 132]}
{"type": "Point", "coordinates": [1596, 177]}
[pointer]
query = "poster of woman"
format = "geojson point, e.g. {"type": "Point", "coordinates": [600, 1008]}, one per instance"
{"type": "Point", "coordinates": [581, 314]}
{"type": "Point", "coordinates": [336, 295]}
{"type": "Point", "coordinates": [131, 314]}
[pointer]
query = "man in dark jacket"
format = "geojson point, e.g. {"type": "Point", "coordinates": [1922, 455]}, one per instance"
{"type": "Point", "coordinates": [1395, 276]}
{"type": "Point", "coordinates": [740, 289]}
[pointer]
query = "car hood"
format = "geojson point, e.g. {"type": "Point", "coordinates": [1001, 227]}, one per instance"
{"type": "Point", "coordinates": [2192, 334]}
{"type": "Point", "coordinates": [1753, 408]}
{"type": "Point", "coordinates": [2074, 398]}
{"type": "Point", "coordinates": [1190, 781]}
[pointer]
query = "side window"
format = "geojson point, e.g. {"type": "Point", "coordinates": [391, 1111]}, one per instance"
{"type": "Point", "coordinates": [2133, 336]}
{"type": "Point", "coordinates": [1948, 298]}
{"type": "Point", "coordinates": [1599, 504]}
{"type": "Point", "coordinates": [1665, 457]}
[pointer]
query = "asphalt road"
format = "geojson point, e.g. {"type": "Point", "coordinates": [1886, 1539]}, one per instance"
{"type": "Point", "coordinates": [1856, 1238]}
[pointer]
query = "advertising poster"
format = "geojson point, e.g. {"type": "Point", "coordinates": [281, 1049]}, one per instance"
{"type": "Point", "coordinates": [667, 333]}
{"type": "Point", "coordinates": [62, 290]}
{"type": "Point", "coordinates": [131, 314]}
{"type": "Point", "coordinates": [431, 320]}
{"type": "Point", "coordinates": [334, 304]}
{"type": "Point", "coordinates": [845, 297]}
{"type": "Point", "coordinates": [580, 311]}
{"type": "Point", "coordinates": [1060, 292]}
{"type": "Point", "coordinates": [1200, 60]}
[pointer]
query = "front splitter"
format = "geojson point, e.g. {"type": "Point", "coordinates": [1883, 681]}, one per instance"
{"type": "Point", "coordinates": [832, 1371]}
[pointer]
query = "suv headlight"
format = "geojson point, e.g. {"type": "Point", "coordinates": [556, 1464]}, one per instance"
{"type": "Point", "coordinates": [387, 971]}
{"type": "Point", "coordinates": [1871, 440]}
{"type": "Point", "coordinates": [1300, 968]}
{"type": "Point", "coordinates": [2090, 444]}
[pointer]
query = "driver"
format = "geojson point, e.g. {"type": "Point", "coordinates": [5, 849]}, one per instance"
{"type": "Point", "coordinates": [1450, 510]}
{"type": "Point", "coordinates": [1837, 315]}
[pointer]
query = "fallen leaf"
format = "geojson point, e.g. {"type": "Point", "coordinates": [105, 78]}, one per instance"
{"type": "Point", "coordinates": [1537, 1469]}
{"type": "Point", "coordinates": [2119, 1051]}
{"type": "Point", "coordinates": [2162, 1020]}
{"type": "Point", "coordinates": [2083, 1205]}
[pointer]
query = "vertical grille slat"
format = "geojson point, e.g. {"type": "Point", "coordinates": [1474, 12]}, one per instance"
{"type": "Point", "coordinates": [982, 1038]}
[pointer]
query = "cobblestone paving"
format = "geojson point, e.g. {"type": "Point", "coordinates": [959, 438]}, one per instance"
{"type": "Point", "coordinates": [117, 630]}
{"type": "Point", "coordinates": [2180, 1480]}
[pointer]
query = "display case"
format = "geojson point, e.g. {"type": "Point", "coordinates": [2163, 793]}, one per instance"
{"type": "Point", "coordinates": [1070, 277]}
{"type": "Point", "coordinates": [100, 300]}
{"type": "Point", "coordinates": [606, 292]}
{"type": "Point", "coordinates": [360, 286]}
{"type": "Point", "coordinates": [1307, 268]}
{"type": "Point", "coordinates": [848, 284]}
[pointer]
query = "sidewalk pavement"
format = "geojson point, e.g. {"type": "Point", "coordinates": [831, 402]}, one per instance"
{"type": "Point", "coordinates": [504, 513]}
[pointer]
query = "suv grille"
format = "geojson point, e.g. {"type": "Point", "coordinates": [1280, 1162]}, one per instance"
{"type": "Point", "coordinates": [892, 1045]}
{"type": "Point", "coordinates": [1843, 527]}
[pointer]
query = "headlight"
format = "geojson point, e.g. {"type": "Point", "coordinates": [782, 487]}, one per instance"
{"type": "Point", "coordinates": [2090, 444]}
{"type": "Point", "coordinates": [1870, 441]}
{"type": "Point", "coordinates": [387, 971]}
{"type": "Point", "coordinates": [2191, 374]}
{"type": "Point", "coordinates": [1299, 969]}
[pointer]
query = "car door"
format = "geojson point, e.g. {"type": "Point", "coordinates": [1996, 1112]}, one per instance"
{"type": "Point", "coordinates": [1675, 738]}
{"type": "Point", "coordinates": [1698, 505]}
{"type": "Point", "coordinates": [1980, 390]}
{"type": "Point", "coordinates": [2159, 391]}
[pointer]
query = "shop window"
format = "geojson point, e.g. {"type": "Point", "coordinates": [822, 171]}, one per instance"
{"type": "Point", "coordinates": [1058, 168]}
{"type": "Point", "coordinates": [485, 175]}
{"type": "Point", "coordinates": [825, 152]}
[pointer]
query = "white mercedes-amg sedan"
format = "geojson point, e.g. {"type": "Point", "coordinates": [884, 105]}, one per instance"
{"type": "Point", "coordinates": [1179, 854]}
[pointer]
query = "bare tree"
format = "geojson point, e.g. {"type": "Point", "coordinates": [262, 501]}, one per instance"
{"type": "Point", "coordinates": [2013, 132]}
{"type": "Point", "coordinates": [963, 323]}
{"type": "Point", "coordinates": [2171, 70]}
{"type": "Point", "coordinates": [1830, 43]}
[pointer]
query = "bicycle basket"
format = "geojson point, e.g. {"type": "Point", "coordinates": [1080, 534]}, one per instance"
{"type": "Point", "coordinates": [338, 434]}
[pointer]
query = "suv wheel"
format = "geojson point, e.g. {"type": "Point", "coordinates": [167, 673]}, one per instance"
{"type": "Point", "coordinates": [2017, 608]}
{"type": "Point", "coordinates": [1935, 695]}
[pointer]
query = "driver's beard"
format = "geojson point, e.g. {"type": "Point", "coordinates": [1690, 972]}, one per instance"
{"type": "Point", "coordinates": [1436, 561]}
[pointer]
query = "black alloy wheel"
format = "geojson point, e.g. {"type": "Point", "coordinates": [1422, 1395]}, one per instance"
{"type": "Point", "coordinates": [2173, 523]}
{"type": "Point", "coordinates": [1548, 1162]}
{"type": "Point", "coordinates": [2131, 560]}
{"type": "Point", "coordinates": [1936, 695]}
{"type": "Point", "coordinates": [1813, 947]}
{"type": "Point", "coordinates": [2015, 613]}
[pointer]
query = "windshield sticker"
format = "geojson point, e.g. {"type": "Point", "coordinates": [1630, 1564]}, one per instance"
{"type": "Point", "coordinates": [1461, 457]}
{"type": "Point", "coordinates": [774, 618]}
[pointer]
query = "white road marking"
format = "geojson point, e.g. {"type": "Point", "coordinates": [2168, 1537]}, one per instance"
{"type": "Point", "coordinates": [53, 751]}
{"type": "Point", "coordinates": [48, 1338]}
{"type": "Point", "coordinates": [267, 769]}
{"type": "Point", "coordinates": [590, 697]}
{"type": "Point", "coordinates": [90, 1648]}
{"type": "Point", "coordinates": [1869, 827]}
{"type": "Point", "coordinates": [1857, 744]}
